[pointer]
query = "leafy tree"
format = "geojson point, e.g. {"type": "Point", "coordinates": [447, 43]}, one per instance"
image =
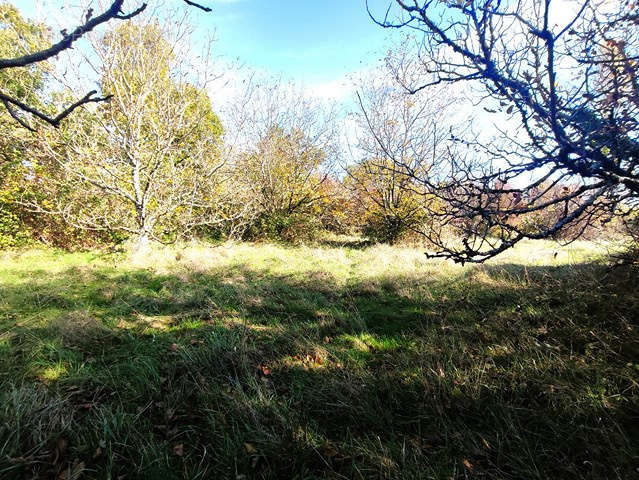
{"type": "Point", "coordinates": [285, 155]}
{"type": "Point", "coordinates": [25, 84]}
{"type": "Point", "coordinates": [16, 36]}
{"type": "Point", "coordinates": [147, 162]}
{"type": "Point", "coordinates": [388, 203]}
{"type": "Point", "coordinates": [283, 176]}
{"type": "Point", "coordinates": [400, 140]}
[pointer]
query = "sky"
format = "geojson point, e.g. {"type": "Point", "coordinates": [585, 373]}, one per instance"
{"type": "Point", "coordinates": [308, 40]}
{"type": "Point", "coordinates": [317, 44]}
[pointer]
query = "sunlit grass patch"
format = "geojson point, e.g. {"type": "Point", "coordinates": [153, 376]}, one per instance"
{"type": "Point", "coordinates": [53, 372]}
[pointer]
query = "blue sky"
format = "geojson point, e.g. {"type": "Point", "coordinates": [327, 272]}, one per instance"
{"type": "Point", "coordinates": [311, 42]}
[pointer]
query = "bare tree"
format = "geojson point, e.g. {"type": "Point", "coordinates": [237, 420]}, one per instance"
{"type": "Point", "coordinates": [148, 162]}
{"type": "Point", "coordinates": [19, 109]}
{"type": "Point", "coordinates": [560, 78]}
{"type": "Point", "coordinates": [400, 138]}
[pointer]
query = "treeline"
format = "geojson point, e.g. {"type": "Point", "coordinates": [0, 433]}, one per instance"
{"type": "Point", "coordinates": [156, 162]}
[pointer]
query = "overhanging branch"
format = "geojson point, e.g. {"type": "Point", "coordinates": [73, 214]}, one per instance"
{"type": "Point", "coordinates": [91, 22]}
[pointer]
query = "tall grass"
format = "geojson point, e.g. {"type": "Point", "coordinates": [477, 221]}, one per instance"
{"type": "Point", "coordinates": [266, 361]}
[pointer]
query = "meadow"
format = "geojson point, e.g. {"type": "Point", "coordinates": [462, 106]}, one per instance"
{"type": "Point", "coordinates": [266, 361]}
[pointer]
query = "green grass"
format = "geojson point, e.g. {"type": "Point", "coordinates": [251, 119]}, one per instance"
{"type": "Point", "coordinates": [262, 361]}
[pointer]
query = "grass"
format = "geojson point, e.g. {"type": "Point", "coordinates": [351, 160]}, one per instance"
{"type": "Point", "coordinates": [261, 361]}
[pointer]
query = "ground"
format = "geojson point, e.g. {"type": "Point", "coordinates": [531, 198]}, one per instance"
{"type": "Point", "coordinates": [249, 361]}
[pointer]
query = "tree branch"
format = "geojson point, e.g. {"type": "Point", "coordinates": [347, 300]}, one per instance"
{"type": "Point", "coordinates": [91, 22]}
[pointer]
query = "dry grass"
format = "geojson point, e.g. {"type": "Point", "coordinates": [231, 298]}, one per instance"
{"type": "Point", "coordinates": [269, 361]}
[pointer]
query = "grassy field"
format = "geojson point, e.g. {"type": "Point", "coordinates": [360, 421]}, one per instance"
{"type": "Point", "coordinates": [249, 361]}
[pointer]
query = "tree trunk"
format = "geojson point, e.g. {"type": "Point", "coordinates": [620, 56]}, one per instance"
{"type": "Point", "coordinates": [142, 242]}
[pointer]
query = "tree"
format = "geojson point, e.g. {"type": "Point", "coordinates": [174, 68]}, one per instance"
{"type": "Point", "coordinates": [387, 202]}
{"type": "Point", "coordinates": [565, 90]}
{"type": "Point", "coordinates": [32, 54]}
{"type": "Point", "coordinates": [286, 153]}
{"type": "Point", "coordinates": [14, 33]}
{"type": "Point", "coordinates": [148, 162]}
{"type": "Point", "coordinates": [400, 138]}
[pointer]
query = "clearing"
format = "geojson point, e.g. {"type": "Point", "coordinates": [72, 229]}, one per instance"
{"type": "Point", "coordinates": [263, 361]}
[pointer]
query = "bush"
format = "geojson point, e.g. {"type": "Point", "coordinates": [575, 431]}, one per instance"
{"type": "Point", "coordinates": [12, 231]}
{"type": "Point", "coordinates": [294, 228]}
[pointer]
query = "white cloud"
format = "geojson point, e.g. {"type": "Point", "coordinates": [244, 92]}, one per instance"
{"type": "Point", "coordinates": [338, 89]}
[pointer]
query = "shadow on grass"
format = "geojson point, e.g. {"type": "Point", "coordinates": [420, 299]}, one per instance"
{"type": "Point", "coordinates": [500, 372]}
{"type": "Point", "coordinates": [352, 243]}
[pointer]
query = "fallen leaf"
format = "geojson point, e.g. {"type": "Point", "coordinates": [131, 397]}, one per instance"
{"type": "Point", "coordinates": [62, 444]}
{"type": "Point", "coordinates": [250, 448]}
{"type": "Point", "coordinates": [328, 450]}
{"type": "Point", "coordinates": [468, 465]}
{"type": "Point", "coordinates": [178, 449]}
{"type": "Point", "coordinates": [72, 472]}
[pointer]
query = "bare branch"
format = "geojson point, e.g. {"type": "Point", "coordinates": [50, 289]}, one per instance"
{"type": "Point", "coordinates": [114, 11]}
{"type": "Point", "coordinates": [565, 98]}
